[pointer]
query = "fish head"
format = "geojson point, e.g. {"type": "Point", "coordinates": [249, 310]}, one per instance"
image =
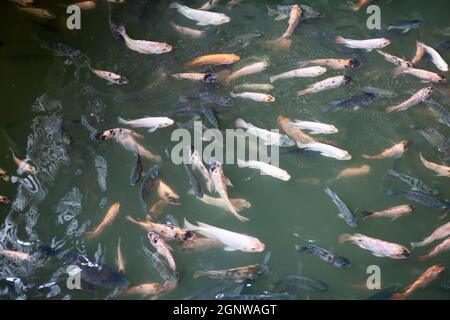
{"type": "Point", "coordinates": [122, 80]}
{"type": "Point", "coordinates": [406, 143]}
{"type": "Point", "coordinates": [441, 78]}
{"type": "Point", "coordinates": [270, 98]}
{"type": "Point", "coordinates": [404, 254]}
{"type": "Point", "coordinates": [386, 42]}
{"type": "Point", "coordinates": [163, 48]}
{"type": "Point", "coordinates": [209, 78]}
{"type": "Point", "coordinates": [165, 122]}
{"type": "Point", "coordinates": [353, 63]}
{"type": "Point", "coordinates": [153, 237]}
{"type": "Point", "coordinates": [438, 268]}
{"type": "Point", "coordinates": [255, 246]}
{"type": "Point", "coordinates": [342, 262]}
{"type": "Point", "coordinates": [188, 236]}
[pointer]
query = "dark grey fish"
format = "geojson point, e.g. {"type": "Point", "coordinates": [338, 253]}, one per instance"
{"type": "Point", "coordinates": [433, 136]}
{"type": "Point", "coordinates": [58, 48]}
{"type": "Point", "coordinates": [208, 113]}
{"type": "Point", "coordinates": [442, 112]}
{"type": "Point", "coordinates": [415, 183]}
{"type": "Point", "coordinates": [386, 293]}
{"type": "Point", "coordinates": [209, 293]}
{"type": "Point", "coordinates": [138, 168]}
{"type": "Point", "coordinates": [184, 111]}
{"type": "Point", "coordinates": [325, 255]}
{"type": "Point", "coordinates": [344, 211]}
{"type": "Point", "coordinates": [299, 152]}
{"type": "Point", "coordinates": [255, 297]}
{"type": "Point", "coordinates": [66, 136]}
{"type": "Point", "coordinates": [209, 98]}
{"type": "Point", "coordinates": [193, 181]}
{"type": "Point", "coordinates": [148, 183]}
{"type": "Point", "coordinates": [443, 47]}
{"type": "Point", "coordinates": [422, 198]}
{"type": "Point", "coordinates": [405, 26]}
{"type": "Point", "coordinates": [244, 40]}
{"type": "Point", "coordinates": [445, 146]}
{"type": "Point", "coordinates": [159, 265]}
{"type": "Point", "coordinates": [445, 285]}
{"type": "Point", "coordinates": [363, 99]}
{"type": "Point", "coordinates": [294, 283]}
{"type": "Point", "coordinates": [101, 168]}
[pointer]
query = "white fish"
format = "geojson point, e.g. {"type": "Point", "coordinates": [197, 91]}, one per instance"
{"type": "Point", "coordinates": [247, 70]}
{"type": "Point", "coordinates": [255, 96]}
{"type": "Point", "coordinates": [367, 45]}
{"type": "Point", "coordinates": [269, 137]}
{"type": "Point", "coordinates": [418, 97]}
{"type": "Point", "coordinates": [395, 60]}
{"type": "Point", "coordinates": [129, 143]}
{"type": "Point", "coordinates": [197, 164]}
{"type": "Point", "coordinates": [329, 83]}
{"type": "Point", "coordinates": [440, 169]}
{"type": "Point", "coordinates": [327, 150]}
{"type": "Point", "coordinates": [299, 73]}
{"type": "Point", "coordinates": [265, 168]}
{"type": "Point", "coordinates": [143, 46]}
{"type": "Point", "coordinates": [152, 123]}
{"type": "Point", "coordinates": [110, 76]}
{"type": "Point", "coordinates": [316, 127]}
{"type": "Point", "coordinates": [233, 241]}
{"type": "Point", "coordinates": [202, 17]}
{"type": "Point", "coordinates": [193, 33]}
{"type": "Point", "coordinates": [436, 58]}
{"type": "Point", "coordinates": [209, 4]}
{"type": "Point", "coordinates": [424, 75]}
{"type": "Point", "coordinates": [254, 86]}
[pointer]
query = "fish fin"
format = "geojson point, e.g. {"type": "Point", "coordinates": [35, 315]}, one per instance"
{"type": "Point", "coordinates": [240, 124]}
{"type": "Point", "coordinates": [281, 16]}
{"type": "Point", "coordinates": [121, 120]}
{"type": "Point", "coordinates": [229, 249]}
{"type": "Point", "coordinates": [344, 237]}
{"type": "Point", "coordinates": [416, 244]}
{"type": "Point", "coordinates": [368, 50]}
{"type": "Point", "coordinates": [198, 274]}
{"type": "Point", "coordinates": [398, 296]}
{"type": "Point", "coordinates": [272, 79]}
{"type": "Point", "coordinates": [202, 23]}
{"type": "Point", "coordinates": [241, 163]}
{"type": "Point", "coordinates": [175, 5]}
{"type": "Point", "coordinates": [303, 92]}
{"type": "Point", "coordinates": [397, 72]}
{"type": "Point", "coordinates": [152, 129]}
{"type": "Point", "coordinates": [367, 214]}
{"type": "Point", "coordinates": [300, 248]}
{"type": "Point", "coordinates": [189, 225]}
{"type": "Point", "coordinates": [302, 63]}
{"type": "Point", "coordinates": [377, 255]}
{"type": "Point", "coordinates": [339, 40]}
{"type": "Point", "coordinates": [406, 30]}
{"type": "Point", "coordinates": [229, 183]}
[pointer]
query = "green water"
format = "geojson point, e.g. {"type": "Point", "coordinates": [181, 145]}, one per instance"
{"type": "Point", "coordinates": [282, 213]}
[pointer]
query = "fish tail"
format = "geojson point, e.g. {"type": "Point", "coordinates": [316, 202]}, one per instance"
{"type": "Point", "coordinates": [241, 163]}
{"type": "Point", "coordinates": [240, 124]}
{"type": "Point", "coordinates": [366, 156]}
{"type": "Point", "coordinates": [233, 95]}
{"type": "Point", "coordinates": [14, 179]}
{"type": "Point", "coordinates": [131, 219]}
{"type": "Point", "coordinates": [390, 109]}
{"type": "Point", "coordinates": [199, 274]}
{"type": "Point", "coordinates": [303, 92]}
{"type": "Point", "coordinates": [189, 225]}
{"type": "Point", "coordinates": [121, 120]}
{"type": "Point", "coordinates": [301, 64]}
{"type": "Point", "coordinates": [416, 244]}
{"type": "Point", "coordinates": [272, 79]}
{"type": "Point", "coordinates": [391, 193]}
{"type": "Point", "coordinates": [339, 40]}
{"type": "Point", "coordinates": [91, 234]}
{"type": "Point", "coordinates": [392, 173]}
{"type": "Point", "coordinates": [240, 204]}
{"type": "Point", "coordinates": [367, 214]}
{"type": "Point", "coordinates": [300, 248]}
{"type": "Point", "coordinates": [237, 215]}
{"type": "Point", "coordinates": [344, 237]}
{"type": "Point", "coordinates": [175, 5]}
{"type": "Point", "coordinates": [398, 296]}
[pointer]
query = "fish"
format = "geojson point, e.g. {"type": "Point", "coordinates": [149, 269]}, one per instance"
{"type": "Point", "coordinates": [422, 198]}
{"type": "Point", "coordinates": [148, 184]}
{"type": "Point", "coordinates": [247, 70]}
{"type": "Point", "coordinates": [233, 241]}
{"type": "Point", "coordinates": [387, 292]}
{"type": "Point", "coordinates": [353, 172]}
{"type": "Point", "coordinates": [442, 247]}
{"type": "Point", "coordinates": [16, 255]}
{"type": "Point", "coordinates": [327, 84]}
{"type": "Point", "coordinates": [265, 169]}
{"type": "Point", "coordinates": [166, 192]}
{"type": "Point", "coordinates": [197, 164]}
{"type": "Point", "coordinates": [151, 289]}
{"type": "Point", "coordinates": [193, 182]}
{"type": "Point", "coordinates": [325, 255]}
{"type": "Point", "coordinates": [83, 5]}
{"type": "Point", "coordinates": [255, 96]}
{"type": "Point", "coordinates": [195, 76]}
{"type": "Point", "coordinates": [436, 58]}
{"type": "Point", "coordinates": [58, 48]}
{"type": "Point", "coordinates": [335, 64]}
{"type": "Point", "coordinates": [440, 233]}
{"type": "Point", "coordinates": [294, 132]}
{"type": "Point", "coordinates": [283, 11]}
{"type": "Point", "coordinates": [439, 110]}
{"type": "Point", "coordinates": [378, 92]}
{"type": "Point", "coordinates": [101, 168]}
{"type": "Point", "coordinates": [344, 211]}
{"type": "Point", "coordinates": [200, 244]}
{"type": "Point", "coordinates": [167, 231]}
{"type": "Point", "coordinates": [237, 274]}
{"type": "Point", "coordinates": [4, 200]}
{"type": "Point", "coordinates": [158, 207]}
{"type": "Point", "coordinates": [393, 212]}
{"type": "Point", "coordinates": [443, 46]}
{"type": "Point", "coordinates": [396, 151]}
{"type": "Point", "coordinates": [159, 264]}
{"type": "Point", "coordinates": [244, 40]}
{"type": "Point", "coordinates": [143, 46]}
{"type": "Point", "coordinates": [254, 86]}
{"type": "Point", "coordinates": [219, 181]}
{"type": "Point", "coordinates": [130, 144]}
{"type": "Point", "coordinates": [379, 248]}
{"type": "Point", "coordinates": [38, 12]}
{"type": "Point", "coordinates": [433, 136]}
{"type": "Point", "coordinates": [152, 123]}
{"type": "Point", "coordinates": [117, 133]}
{"type": "Point", "coordinates": [209, 4]}
{"type": "Point", "coordinates": [23, 166]}
{"type": "Point", "coordinates": [269, 137]}
{"type": "Point", "coordinates": [299, 73]}
{"type": "Point", "coordinates": [202, 17]}
{"type": "Point", "coordinates": [138, 169]}
{"type": "Point", "coordinates": [404, 64]}
{"type": "Point", "coordinates": [294, 19]}
{"type": "Point", "coordinates": [316, 127]}
{"type": "Point", "coordinates": [256, 297]}
{"type": "Point", "coordinates": [107, 220]}
{"type": "Point", "coordinates": [120, 261]}
{"type": "Point", "coordinates": [428, 276]}
{"type": "Point", "coordinates": [424, 75]}
{"type": "Point", "coordinates": [406, 26]}
{"type": "Point", "coordinates": [193, 33]}
{"type": "Point", "coordinates": [23, 2]}
{"type": "Point", "coordinates": [327, 150]}
{"type": "Point", "coordinates": [210, 98]}
{"type": "Point", "coordinates": [367, 45]}
{"type": "Point", "coordinates": [440, 169]}
{"type": "Point", "coordinates": [416, 184]}
{"type": "Point", "coordinates": [213, 59]}
{"type": "Point", "coordinates": [420, 52]}
{"type": "Point", "coordinates": [4, 175]}
{"type": "Point", "coordinates": [210, 115]}
{"type": "Point", "coordinates": [162, 248]}
{"type": "Point", "coordinates": [294, 283]}
{"type": "Point", "coordinates": [238, 203]}
{"type": "Point", "coordinates": [363, 99]}
{"type": "Point", "coordinates": [359, 5]}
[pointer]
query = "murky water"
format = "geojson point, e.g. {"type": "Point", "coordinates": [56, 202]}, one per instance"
{"type": "Point", "coordinates": [40, 92]}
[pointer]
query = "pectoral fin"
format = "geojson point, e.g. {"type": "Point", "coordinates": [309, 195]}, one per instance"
{"type": "Point", "coordinates": [229, 249]}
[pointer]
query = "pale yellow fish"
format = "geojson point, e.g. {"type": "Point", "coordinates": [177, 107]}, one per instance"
{"type": "Point", "coordinates": [16, 255]}
{"type": "Point", "coordinates": [439, 233]}
{"type": "Point", "coordinates": [255, 96]}
{"type": "Point", "coordinates": [107, 220]}
{"type": "Point", "coordinates": [143, 46]}
{"type": "Point", "coordinates": [213, 59]}
{"type": "Point", "coordinates": [247, 70]}
{"type": "Point", "coordinates": [415, 99]}
{"type": "Point", "coordinates": [38, 12]}
{"type": "Point", "coordinates": [195, 76]}
{"type": "Point", "coordinates": [294, 19]}
{"type": "Point", "coordinates": [440, 169]}
{"type": "Point", "coordinates": [120, 258]}
{"type": "Point", "coordinates": [393, 212]}
{"type": "Point", "coordinates": [395, 151]}
{"type": "Point", "coordinates": [441, 247]}
{"type": "Point", "coordinates": [148, 289]}
{"type": "Point", "coordinates": [200, 244]}
{"type": "Point", "coordinates": [193, 33]}
{"type": "Point", "coordinates": [353, 172]}
{"type": "Point", "coordinates": [420, 52]}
